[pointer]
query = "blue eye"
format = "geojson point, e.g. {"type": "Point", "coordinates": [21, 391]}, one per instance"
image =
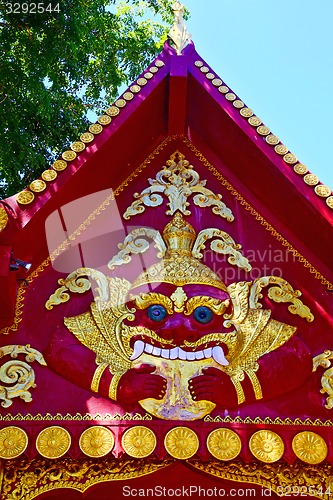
{"type": "Point", "coordinates": [156, 312]}
{"type": "Point", "coordinates": [203, 314]}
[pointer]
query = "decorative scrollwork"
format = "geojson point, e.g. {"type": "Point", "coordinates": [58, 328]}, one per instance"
{"type": "Point", "coordinates": [18, 373]}
{"type": "Point", "coordinates": [79, 281]}
{"type": "Point", "coordinates": [223, 244]}
{"type": "Point", "coordinates": [178, 180]}
{"type": "Point", "coordinates": [133, 244]}
{"type": "Point", "coordinates": [324, 360]}
{"type": "Point", "coordinates": [282, 292]}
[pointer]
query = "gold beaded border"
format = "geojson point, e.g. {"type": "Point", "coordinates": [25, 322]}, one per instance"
{"type": "Point", "coordinates": [272, 140]}
{"type": "Point", "coordinates": [27, 196]}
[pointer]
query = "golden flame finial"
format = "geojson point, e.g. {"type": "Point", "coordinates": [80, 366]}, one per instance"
{"type": "Point", "coordinates": [178, 33]}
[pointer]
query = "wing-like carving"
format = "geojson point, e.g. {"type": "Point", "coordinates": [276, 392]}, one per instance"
{"type": "Point", "coordinates": [222, 244]}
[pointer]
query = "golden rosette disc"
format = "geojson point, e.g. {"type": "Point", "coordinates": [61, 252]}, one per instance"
{"type": "Point", "coordinates": [135, 89]}
{"type": "Point", "coordinates": [224, 444]}
{"type": "Point", "coordinates": [266, 446]}
{"type": "Point", "coordinates": [181, 443]}
{"type": "Point", "coordinates": [37, 186]}
{"type": "Point", "coordinates": [311, 179]}
{"type": "Point", "coordinates": [281, 149]}
{"type": "Point", "coordinates": [329, 201]}
{"type": "Point", "coordinates": [86, 137]}
{"type": "Point", "coordinates": [323, 191]}
{"type": "Point", "coordinates": [159, 64]}
{"type": "Point", "coordinates": [3, 218]}
{"type": "Point", "coordinates": [104, 119]}
{"type": "Point", "coordinates": [153, 69]}
{"type": "Point", "coordinates": [121, 103]}
{"type": "Point", "coordinates": [128, 96]}
{"type": "Point", "coordinates": [59, 165]}
{"type": "Point", "coordinates": [13, 442]}
{"type": "Point", "coordinates": [300, 169]}
{"type": "Point", "coordinates": [309, 447]}
{"type": "Point", "coordinates": [78, 146]}
{"type": "Point", "coordinates": [68, 155]}
{"type": "Point", "coordinates": [113, 111]}
{"type": "Point", "coordinates": [273, 140]}
{"type": "Point", "coordinates": [53, 442]}
{"type": "Point", "coordinates": [96, 128]}
{"type": "Point", "coordinates": [142, 81]}
{"type": "Point", "coordinates": [96, 442]}
{"type": "Point", "coordinates": [148, 75]}
{"type": "Point", "coordinates": [246, 112]}
{"type": "Point", "coordinates": [49, 175]}
{"type": "Point", "coordinates": [254, 121]}
{"type": "Point", "coordinates": [139, 441]}
{"type": "Point", "coordinates": [25, 197]}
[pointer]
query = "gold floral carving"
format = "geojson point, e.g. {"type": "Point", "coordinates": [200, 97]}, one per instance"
{"type": "Point", "coordinates": [3, 218]}
{"type": "Point", "coordinates": [224, 444]}
{"type": "Point", "coordinates": [324, 360]}
{"type": "Point", "coordinates": [135, 243]}
{"type": "Point", "coordinates": [281, 292]}
{"type": "Point", "coordinates": [266, 446]}
{"type": "Point", "coordinates": [96, 441]}
{"type": "Point", "coordinates": [178, 180]}
{"type": "Point", "coordinates": [13, 442]}
{"type": "Point", "coordinates": [280, 477]}
{"type": "Point", "coordinates": [18, 373]}
{"type": "Point", "coordinates": [27, 480]}
{"type": "Point", "coordinates": [309, 447]}
{"type": "Point", "coordinates": [53, 442]}
{"type": "Point", "coordinates": [139, 441]}
{"type": "Point", "coordinates": [181, 443]}
{"type": "Point", "coordinates": [179, 298]}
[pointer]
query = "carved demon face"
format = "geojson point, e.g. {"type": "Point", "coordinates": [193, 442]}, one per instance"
{"type": "Point", "coordinates": [182, 333]}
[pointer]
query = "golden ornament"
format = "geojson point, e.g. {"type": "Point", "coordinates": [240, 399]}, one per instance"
{"type": "Point", "coordinates": [139, 441]}
{"type": "Point", "coordinates": [87, 137]}
{"type": "Point", "coordinates": [230, 96]}
{"type": "Point", "coordinates": [323, 191]}
{"type": "Point", "coordinates": [204, 69]}
{"type": "Point", "coordinates": [78, 146]}
{"type": "Point", "coordinates": [104, 120]}
{"type": "Point", "coordinates": [128, 96]}
{"type": "Point", "coordinates": [53, 442]}
{"type": "Point", "coordinates": [210, 76]}
{"type": "Point", "coordinates": [59, 165]}
{"type": "Point", "coordinates": [69, 155]}
{"type": "Point", "coordinates": [309, 447]}
{"type": "Point", "coordinates": [13, 442]}
{"type": "Point", "coordinates": [142, 82]}
{"type": "Point", "coordinates": [37, 186]}
{"type": "Point", "coordinates": [181, 443]}
{"type": "Point", "coordinates": [311, 179]}
{"type": "Point", "coordinates": [154, 69]}
{"type": "Point", "coordinates": [223, 89]}
{"type": "Point", "coordinates": [329, 202]}
{"type": "Point", "coordinates": [300, 169]}
{"type": "Point", "coordinates": [290, 158]}
{"type": "Point", "coordinates": [217, 82]}
{"type": "Point", "coordinates": [3, 218]}
{"type": "Point", "coordinates": [273, 140]}
{"type": "Point", "coordinates": [246, 112]}
{"type": "Point", "coordinates": [254, 121]}
{"type": "Point", "coordinates": [96, 442]}
{"type": "Point", "coordinates": [135, 89]}
{"type": "Point", "coordinates": [224, 444]}
{"type": "Point", "coordinates": [266, 446]}
{"type": "Point", "coordinates": [121, 103]}
{"type": "Point", "coordinates": [113, 111]}
{"type": "Point", "coordinates": [238, 104]}
{"type": "Point", "coordinates": [159, 64]}
{"type": "Point", "coordinates": [25, 197]}
{"type": "Point", "coordinates": [280, 149]}
{"type": "Point", "coordinates": [148, 75]}
{"type": "Point", "coordinates": [262, 130]}
{"type": "Point", "coordinates": [198, 64]}
{"type": "Point", "coordinates": [95, 128]}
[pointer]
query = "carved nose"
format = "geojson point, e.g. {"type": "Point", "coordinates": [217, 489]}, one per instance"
{"type": "Point", "coordinates": [179, 328]}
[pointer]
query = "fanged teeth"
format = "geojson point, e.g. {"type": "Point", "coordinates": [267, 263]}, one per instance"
{"type": "Point", "coordinates": [178, 353]}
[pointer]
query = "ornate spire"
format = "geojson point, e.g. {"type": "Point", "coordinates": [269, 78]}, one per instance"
{"type": "Point", "coordinates": [178, 33]}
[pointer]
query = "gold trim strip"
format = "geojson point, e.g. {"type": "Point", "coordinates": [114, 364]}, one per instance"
{"type": "Point", "coordinates": [255, 383]}
{"type": "Point", "coordinates": [239, 391]}
{"type": "Point", "coordinates": [114, 386]}
{"type": "Point", "coordinates": [97, 376]}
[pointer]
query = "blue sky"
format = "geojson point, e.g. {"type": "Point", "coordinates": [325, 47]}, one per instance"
{"type": "Point", "coordinates": [278, 58]}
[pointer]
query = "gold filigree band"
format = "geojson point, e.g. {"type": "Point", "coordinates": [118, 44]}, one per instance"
{"type": "Point", "coordinates": [114, 386]}
{"type": "Point", "coordinates": [97, 376]}
{"type": "Point", "coordinates": [255, 383]}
